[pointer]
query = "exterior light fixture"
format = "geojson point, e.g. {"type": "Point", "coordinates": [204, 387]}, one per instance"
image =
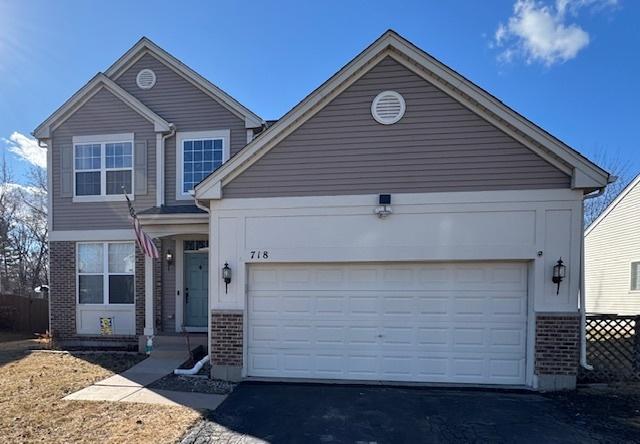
{"type": "Point", "coordinates": [226, 276]}
{"type": "Point", "coordinates": [384, 206]}
{"type": "Point", "coordinates": [559, 273]}
{"type": "Point", "coordinates": [169, 257]}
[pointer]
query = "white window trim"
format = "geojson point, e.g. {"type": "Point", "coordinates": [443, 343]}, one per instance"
{"type": "Point", "coordinates": [225, 135]}
{"type": "Point", "coordinates": [102, 140]}
{"type": "Point", "coordinates": [105, 274]}
{"type": "Point", "coordinates": [631, 289]}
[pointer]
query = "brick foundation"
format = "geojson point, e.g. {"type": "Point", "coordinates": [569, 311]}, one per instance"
{"type": "Point", "coordinates": [557, 351]}
{"type": "Point", "coordinates": [226, 344]}
{"type": "Point", "coordinates": [226, 338]}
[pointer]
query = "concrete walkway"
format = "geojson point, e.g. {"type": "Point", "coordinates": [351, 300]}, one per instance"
{"type": "Point", "coordinates": [130, 386]}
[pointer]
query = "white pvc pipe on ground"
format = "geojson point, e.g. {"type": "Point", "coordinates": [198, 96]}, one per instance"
{"type": "Point", "coordinates": [192, 371]}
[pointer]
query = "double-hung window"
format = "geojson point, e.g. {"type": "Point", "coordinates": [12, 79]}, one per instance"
{"type": "Point", "coordinates": [635, 276]}
{"type": "Point", "coordinates": [199, 154]}
{"type": "Point", "coordinates": [103, 167]}
{"type": "Point", "coordinates": [105, 272]}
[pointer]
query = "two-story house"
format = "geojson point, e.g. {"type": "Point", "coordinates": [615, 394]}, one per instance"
{"type": "Point", "coordinates": [398, 224]}
{"type": "Point", "coordinates": [154, 128]}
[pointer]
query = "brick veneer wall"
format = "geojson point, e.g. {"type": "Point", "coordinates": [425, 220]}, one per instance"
{"type": "Point", "coordinates": [139, 291]}
{"type": "Point", "coordinates": [226, 338]}
{"type": "Point", "coordinates": [62, 293]}
{"type": "Point", "coordinates": [557, 344]}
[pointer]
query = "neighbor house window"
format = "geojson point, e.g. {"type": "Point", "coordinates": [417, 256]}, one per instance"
{"type": "Point", "coordinates": [635, 276]}
{"type": "Point", "coordinates": [106, 272]}
{"type": "Point", "coordinates": [199, 154]}
{"type": "Point", "coordinates": [103, 168]}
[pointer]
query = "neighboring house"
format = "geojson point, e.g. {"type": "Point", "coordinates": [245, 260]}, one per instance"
{"type": "Point", "coordinates": [398, 224]}
{"type": "Point", "coordinates": [612, 256]}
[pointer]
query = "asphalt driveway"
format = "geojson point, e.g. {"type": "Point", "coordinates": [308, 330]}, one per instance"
{"type": "Point", "coordinates": [301, 413]}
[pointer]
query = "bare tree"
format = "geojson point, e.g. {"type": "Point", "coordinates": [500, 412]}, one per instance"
{"type": "Point", "coordinates": [615, 163]}
{"type": "Point", "coordinates": [23, 231]}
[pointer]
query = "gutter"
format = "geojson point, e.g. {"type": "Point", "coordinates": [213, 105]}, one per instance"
{"type": "Point", "coordinates": [581, 293]}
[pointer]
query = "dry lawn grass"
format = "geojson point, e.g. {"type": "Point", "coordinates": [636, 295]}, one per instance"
{"type": "Point", "coordinates": [32, 409]}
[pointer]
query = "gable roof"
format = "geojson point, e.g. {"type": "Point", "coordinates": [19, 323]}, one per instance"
{"type": "Point", "coordinates": [93, 86]}
{"type": "Point", "coordinates": [619, 198]}
{"type": "Point", "coordinates": [145, 46]}
{"type": "Point", "coordinates": [585, 174]}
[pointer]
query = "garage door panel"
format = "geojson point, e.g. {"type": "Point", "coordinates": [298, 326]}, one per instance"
{"type": "Point", "coordinates": [503, 276]}
{"type": "Point", "coordinates": [410, 322]}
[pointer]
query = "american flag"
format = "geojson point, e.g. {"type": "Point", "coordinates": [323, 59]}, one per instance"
{"type": "Point", "coordinates": [144, 241]}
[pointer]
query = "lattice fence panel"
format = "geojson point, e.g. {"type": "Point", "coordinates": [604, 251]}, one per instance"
{"type": "Point", "coordinates": [613, 348]}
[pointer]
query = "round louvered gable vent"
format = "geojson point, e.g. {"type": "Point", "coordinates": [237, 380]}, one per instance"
{"type": "Point", "coordinates": [146, 79]}
{"type": "Point", "coordinates": [388, 107]}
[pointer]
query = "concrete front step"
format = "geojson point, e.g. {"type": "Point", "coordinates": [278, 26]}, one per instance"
{"type": "Point", "coordinates": [174, 343]}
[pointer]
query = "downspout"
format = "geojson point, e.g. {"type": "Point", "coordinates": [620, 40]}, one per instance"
{"type": "Point", "coordinates": [581, 293]}
{"type": "Point", "coordinates": [160, 164]}
{"type": "Point", "coordinates": [201, 206]}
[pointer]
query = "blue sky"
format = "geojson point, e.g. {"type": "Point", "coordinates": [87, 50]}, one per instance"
{"type": "Point", "coordinates": [568, 65]}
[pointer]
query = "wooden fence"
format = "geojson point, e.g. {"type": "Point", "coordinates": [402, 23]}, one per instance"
{"type": "Point", "coordinates": [24, 314]}
{"type": "Point", "coordinates": [613, 348]}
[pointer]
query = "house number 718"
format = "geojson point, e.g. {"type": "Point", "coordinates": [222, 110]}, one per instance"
{"type": "Point", "coordinates": [260, 254]}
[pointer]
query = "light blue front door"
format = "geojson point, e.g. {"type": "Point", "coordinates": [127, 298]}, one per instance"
{"type": "Point", "coordinates": [196, 287]}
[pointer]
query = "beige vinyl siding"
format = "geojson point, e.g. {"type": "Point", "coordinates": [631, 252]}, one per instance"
{"type": "Point", "coordinates": [439, 145]}
{"type": "Point", "coordinates": [609, 250]}
{"type": "Point", "coordinates": [186, 106]}
{"type": "Point", "coordinates": [102, 114]}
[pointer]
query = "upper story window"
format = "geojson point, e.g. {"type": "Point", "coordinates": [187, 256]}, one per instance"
{"type": "Point", "coordinates": [199, 153]}
{"type": "Point", "coordinates": [103, 167]}
{"type": "Point", "coordinates": [635, 276]}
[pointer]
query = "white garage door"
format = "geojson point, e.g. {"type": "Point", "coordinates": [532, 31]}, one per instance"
{"type": "Point", "coordinates": [454, 322]}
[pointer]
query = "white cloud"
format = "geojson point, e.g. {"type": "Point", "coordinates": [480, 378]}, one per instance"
{"type": "Point", "coordinates": [539, 32]}
{"type": "Point", "coordinates": [27, 149]}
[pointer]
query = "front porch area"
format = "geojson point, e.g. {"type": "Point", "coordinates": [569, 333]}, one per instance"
{"type": "Point", "coordinates": [176, 284]}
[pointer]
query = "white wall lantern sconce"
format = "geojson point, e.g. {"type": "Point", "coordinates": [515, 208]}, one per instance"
{"type": "Point", "coordinates": [559, 273]}
{"type": "Point", "coordinates": [226, 276]}
{"type": "Point", "coordinates": [169, 258]}
{"type": "Point", "coordinates": [384, 206]}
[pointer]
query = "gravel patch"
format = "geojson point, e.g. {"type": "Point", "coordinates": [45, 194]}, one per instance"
{"type": "Point", "coordinates": [196, 384]}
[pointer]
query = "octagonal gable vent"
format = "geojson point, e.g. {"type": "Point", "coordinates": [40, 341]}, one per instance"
{"type": "Point", "coordinates": [388, 107]}
{"type": "Point", "coordinates": [146, 79]}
